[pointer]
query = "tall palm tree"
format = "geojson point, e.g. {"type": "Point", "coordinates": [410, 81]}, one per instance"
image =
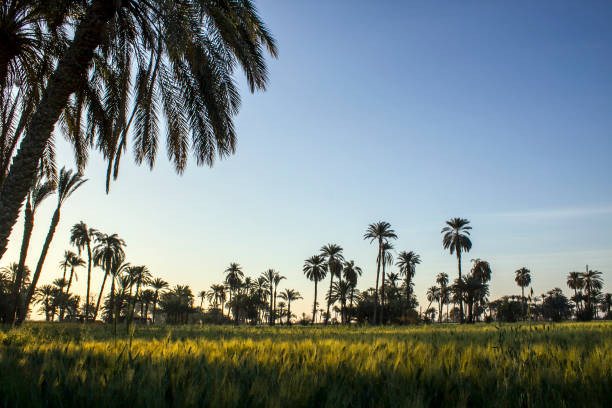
{"type": "Point", "coordinates": [334, 258]}
{"type": "Point", "coordinates": [67, 183]}
{"type": "Point", "coordinates": [433, 295]}
{"type": "Point", "coordinates": [351, 272]}
{"type": "Point", "coordinates": [387, 257]}
{"type": "Point", "coordinates": [277, 279]}
{"type": "Point", "coordinates": [233, 277]}
{"type": "Point", "coordinates": [158, 284]}
{"type": "Point", "coordinates": [379, 232]}
{"type": "Point", "coordinates": [81, 236]}
{"type": "Point", "coordinates": [190, 73]}
{"type": "Point", "coordinates": [592, 283]}
{"type": "Point", "coordinates": [575, 282]}
{"type": "Point", "coordinates": [457, 239]}
{"type": "Point", "coordinates": [315, 270]}
{"type": "Point", "coordinates": [202, 295]}
{"type": "Point", "coordinates": [44, 295]}
{"type": "Point", "coordinates": [107, 252]}
{"type": "Point", "coordinates": [290, 295]}
{"type": "Point", "coordinates": [407, 262]}
{"type": "Point", "coordinates": [522, 277]}
{"type": "Point", "coordinates": [442, 281]}
{"type": "Point", "coordinates": [42, 189]}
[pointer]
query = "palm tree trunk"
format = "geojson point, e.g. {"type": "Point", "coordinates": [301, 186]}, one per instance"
{"type": "Point", "coordinates": [28, 225]}
{"type": "Point", "coordinates": [382, 294]}
{"type": "Point", "coordinates": [70, 279]}
{"type": "Point", "coordinates": [523, 299]}
{"type": "Point", "coordinates": [101, 292]}
{"type": "Point", "coordinates": [377, 276]}
{"type": "Point", "coordinates": [440, 311]}
{"type": "Point", "coordinates": [88, 281]}
{"type": "Point", "coordinates": [314, 305]}
{"type": "Point", "coordinates": [23, 311]}
{"type": "Point", "coordinates": [460, 300]}
{"type": "Point", "coordinates": [331, 283]}
{"type": "Point", "coordinates": [288, 313]}
{"type": "Point", "coordinates": [155, 307]}
{"type": "Point", "coordinates": [69, 73]}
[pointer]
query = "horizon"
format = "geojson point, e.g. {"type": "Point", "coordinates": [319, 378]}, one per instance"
{"type": "Point", "coordinates": [323, 152]}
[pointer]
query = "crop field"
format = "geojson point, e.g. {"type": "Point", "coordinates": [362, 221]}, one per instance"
{"type": "Point", "coordinates": [554, 365]}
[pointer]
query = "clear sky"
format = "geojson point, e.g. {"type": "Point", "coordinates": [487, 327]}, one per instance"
{"type": "Point", "coordinates": [408, 112]}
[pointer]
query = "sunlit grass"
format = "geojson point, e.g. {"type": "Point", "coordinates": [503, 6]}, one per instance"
{"type": "Point", "coordinates": [513, 365]}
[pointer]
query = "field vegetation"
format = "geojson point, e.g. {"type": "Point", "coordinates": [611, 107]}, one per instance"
{"type": "Point", "coordinates": [513, 365]}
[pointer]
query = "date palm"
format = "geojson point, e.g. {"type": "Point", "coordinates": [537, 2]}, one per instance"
{"type": "Point", "coordinates": [387, 257]}
{"type": "Point", "coordinates": [194, 47]}
{"type": "Point", "coordinates": [202, 295]}
{"type": "Point", "coordinates": [158, 285]}
{"type": "Point", "coordinates": [82, 236]}
{"type": "Point", "coordinates": [442, 281]}
{"type": "Point", "coordinates": [592, 283]}
{"type": "Point", "coordinates": [107, 252]}
{"type": "Point", "coordinates": [575, 282]}
{"type": "Point", "coordinates": [456, 239]}
{"type": "Point", "coordinates": [233, 277]}
{"type": "Point", "coordinates": [334, 258]}
{"type": "Point", "coordinates": [140, 276]}
{"type": "Point", "coordinates": [522, 277]}
{"type": "Point", "coordinates": [67, 183]}
{"type": "Point", "coordinates": [481, 270]}
{"type": "Point", "coordinates": [351, 273]}
{"type": "Point", "coordinates": [277, 280]}
{"type": "Point", "coordinates": [407, 262]}
{"type": "Point", "coordinates": [290, 295]}
{"type": "Point", "coordinates": [379, 232]}
{"type": "Point", "coordinates": [315, 270]}
{"type": "Point", "coordinates": [75, 262]}
{"type": "Point", "coordinates": [42, 189]}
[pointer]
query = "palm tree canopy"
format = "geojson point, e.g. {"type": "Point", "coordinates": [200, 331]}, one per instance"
{"type": "Point", "coordinates": [81, 235]}
{"type": "Point", "coordinates": [575, 281]}
{"type": "Point", "coordinates": [442, 279]}
{"type": "Point", "coordinates": [315, 268]}
{"type": "Point", "coordinates": [379, 231]}
{"type": "Point", "coordinates": [522, 277]}
{"type": "Point", "coordinates": [351, 272]}
{"type": "Point", "coordinates": [456, 235]}
{"type": "Point", "coordinates": [481, 270]}
{"type": "Point", "coordinates": [406, 262]}
{"type": "Point", "coordinates": [67, 183]}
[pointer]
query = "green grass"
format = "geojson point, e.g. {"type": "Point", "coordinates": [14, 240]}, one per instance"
{"type": "Point", "coordinates": [567, 364]}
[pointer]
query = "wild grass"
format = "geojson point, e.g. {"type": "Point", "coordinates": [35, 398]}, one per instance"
{"type": "Point", "coordinates": [568, 364]}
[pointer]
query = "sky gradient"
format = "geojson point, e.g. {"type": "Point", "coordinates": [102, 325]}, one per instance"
{"type": "Point", "coordinates": [402, 111]}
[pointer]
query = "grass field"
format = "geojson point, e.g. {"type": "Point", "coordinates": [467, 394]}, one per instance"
{"type": "Point", "coordinates": [67, 365]}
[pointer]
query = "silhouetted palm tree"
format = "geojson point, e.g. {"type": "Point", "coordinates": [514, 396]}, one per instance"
{"type": "Point", "coordinates": [481, 270]}
{"type": "Point", "coordinates": [334, 258]}
{"type": "Point", "coordinates": [351, 273]}
{"type": "Point", "coordinates": [194, 48]}
{"type": "Point", "coordinates": [290, 295]}
{"type": "Point", "coordinates": [387, 261]}
{"type": "Point", "coordinates": [456, 239]}
{"type": "Point", "coordinates": [81, 236]}
{"type": "Point", "coordinates": [575, 282]}
{"type": "Point", "coordinates": [233, 277]}
{"type": "Point", "coordinates": [315, 270]}
{"type": "Point", "coordinates": [379, 232]}
{"type": "Point", "coordinates": [202, 295]}
{"type": "Point", "coordinates": [592, 283]}
{"type": "Point", "coordinates": [522, 277]}
{"type": "Point", "coordinates": [75, 262]}
{"type": "Point", "coordinates": [277, 279]}
{"type": "Point", "coordinates": [158, 284]}
{"type": "Point", "coordinates": [442, 281]}
{"type": "Point", "coordinates": [140, 276]}
{"type": "Point", "coordinates": [407, 262]}
{"type": "Point", "coordinates": [67, 183]}
{"type": "Point", "coordinates": [42, 189]}
{"type": "Point", "coordinates": [107, 252]}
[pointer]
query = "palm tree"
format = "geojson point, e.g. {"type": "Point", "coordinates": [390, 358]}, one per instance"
{"type": "Point", "coordinates": [158, 284]}
{"type": "Point", "coordinates": [75, 262]}
{"type": "Point", "coordinates": [140, 276]}
{"type": "Point", "coordinates": [407, 262]}
{"type": "Point", "coordinates": [218, 293]}
{"type": "Point", "coordinates": [380, 232]}
{"type": "Point", "coordinates": [39, 192]}
{"type": "Point", "coordinates": [106, 253]}
{"type": "Point", "coordinates": [457, 239]}
{"type": "Point", "coordinates": [315, 270]}
{"type": "Point", "coordinates": [340, 293]}
{"type": "Point", "coordinates": [202, 295]}
{"type": "Point", "coordinates": [481, 270]}
{"type": "Point", "coordinates": [522, 277]}
{"type": "Point", "coordinates": [233, 277]}
{"type": "Point", "coordinates": [592, 283]}
{"type": "Point", "coordinates": [442, 280]}
{"type": "Point", "coordinates": [575, 282]}
{"type": "Point", "coordinates": [67, 183]}
{"type": "Point", "coordinates": [333, 254]}
{"type": "Point", "coordinates": [277, 279]}
{"type": "Point", "coordinates": [351, 272]}
{"type": "Point", "coordinates": [433, 295]}
{"type": "Point", "coordinates": [290, 295]}
{"type": "Point", "coordinates": [44, 295]}
{"type": "Point", "coordinates": [81, 237]}
{"type": "Point", "coordinates": [387, 261]}
{"type": "Point", "coordinates": [117, 268]}
{"type": "Point", "coordinates": [190, 71]}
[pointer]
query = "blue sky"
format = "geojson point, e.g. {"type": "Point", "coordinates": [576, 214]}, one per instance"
{"type": "Point", "coordinates": [407, 112]}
